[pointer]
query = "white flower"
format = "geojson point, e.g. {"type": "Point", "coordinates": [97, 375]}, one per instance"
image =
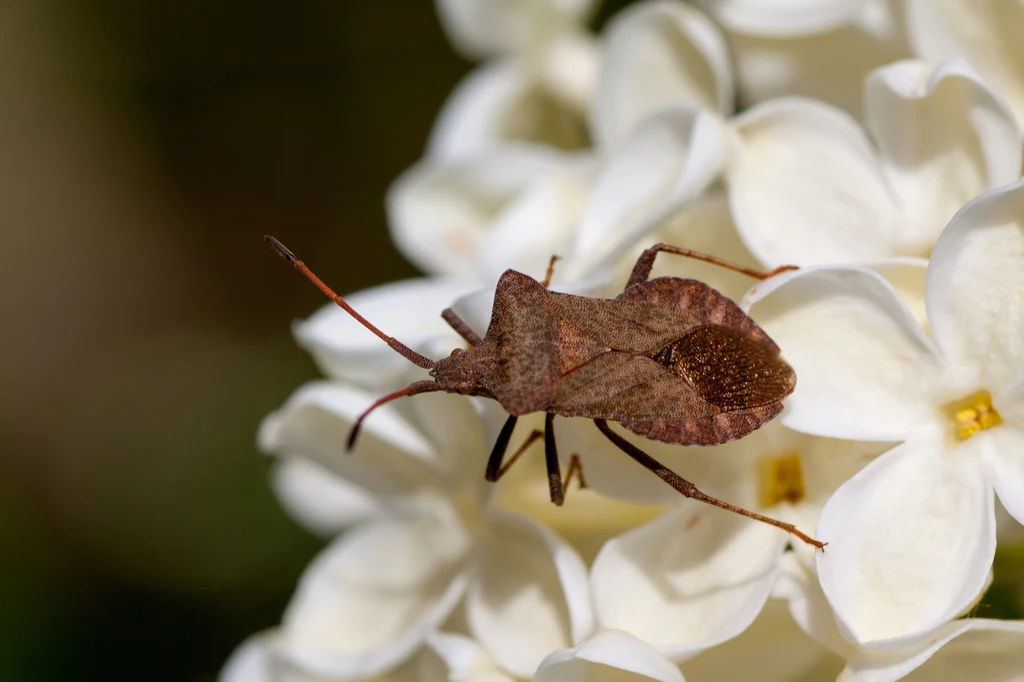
{"type": "Point", "coordinates": [655, 171]}
{"type": "Point", "coordinates": [816, 48]}
{"type": "Point", "coordinates": [257, 660]}
{"type": "Point", "coordinates": [428, 540]}
{"type": "Point", "coordinates": [912, 535]}
{"type": "Point", "coordinates": [806, 183]}
{"type": "Point", "coordinates": [984, 32]}
{"type": "Point", "coordinates": [536, 88]}
{"type": "Point", "coordinates": [608, 656]}
{"type": "Point", "coordinates": [699, 576]}
{"type": "Point", "coordinates": [516, 206]}
{"type": "Point", "coordinates": [456, 658]}
{"type": "Point", "coordinates": [485, 28]}
{"type": "Point", "coordinates": [506, 102]}
{"type": "Point", "coordinates": [970, 648]}
{"type": "Point", "coordinates": [809, 186]}
{"type": "Point", "coordinates": [658, 55]}
{"type": "Point", "coordinates": [509, 208]}
{"type": "Point", "coordinates": [773, 649]}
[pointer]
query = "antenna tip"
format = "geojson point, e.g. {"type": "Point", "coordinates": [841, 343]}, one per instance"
{"type": "Point", "coordinates": [281, 249]}
{"type": "Point", "coordinates": [352, 435]}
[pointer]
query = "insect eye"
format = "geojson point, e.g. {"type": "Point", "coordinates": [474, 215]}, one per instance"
{"type": "Point", "coordinates": [455, 351]}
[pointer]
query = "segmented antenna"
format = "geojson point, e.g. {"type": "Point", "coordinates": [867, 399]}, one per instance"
{"type": "Point", "coordinates": [403, 350]}
{"type": "Point", "coordinates": [412, 389]}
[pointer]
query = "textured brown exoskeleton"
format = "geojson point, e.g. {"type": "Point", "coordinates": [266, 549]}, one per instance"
{"type": "Point", "coordinates": [669, 359]}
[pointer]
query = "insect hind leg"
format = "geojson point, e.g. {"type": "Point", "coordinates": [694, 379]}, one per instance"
{"type": "Point", "coordinates": [690, 490]}
{"type": "Point", "coordinates": [644, 264]}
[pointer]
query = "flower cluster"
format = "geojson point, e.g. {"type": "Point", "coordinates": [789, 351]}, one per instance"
{"type": "Point", "coordinates": [878, 146]}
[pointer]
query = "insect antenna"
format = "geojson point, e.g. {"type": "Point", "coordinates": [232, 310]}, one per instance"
{"type": "Point", "coordinates": [403, 350]}
{"type": "Point", "coordinates": [411, 389]}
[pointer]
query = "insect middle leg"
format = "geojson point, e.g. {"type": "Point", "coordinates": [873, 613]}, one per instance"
{"type": "Point", "coordinates": [546, 282]}
{"type": "Point", "coordinates": [690, 490]}
{"type": "Point", "coordinates": [644, 264]}
{"type": "Point", "coordinates": [556, 484]}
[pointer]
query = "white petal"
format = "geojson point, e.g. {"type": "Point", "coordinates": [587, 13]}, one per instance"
{"type": "Point", "coordinates": [443, 215]}
{"type": "Point", "coordinates": [409, 310]}
{"type": "Point", "coordinates": [529, 595]}
{"type": "Point", "coordinates": [608, 656]}
{"type": "Point", "coordinates": [986, 33]}
{"type": "Point", "coordinates": [658, 55]}
{"type": "Point", "coordinates": [257, 660]}
{"type": "Point", "coordinates": [319, 499]}
{"type": "Point", "coordinates": [864, 367]}
{"type": "Point", "coordinates": [369, 600]}
{"type": "Point", "coordinates": [391, 455]}
{"type": "Point", "coordinates": [569, 70]}
{"type": "Point", "coordinates": [689, 580]}
{"type": "Point", "coordinates": [670, 159]}
{"type": "Point", "coordinates": [1004, 450]}
{"type": "Point", "coordinates": [481, 28]}
{"type": "Point", "coordinates": [252, 661]}
{"type": "Point", "coordinates": [807, 186]}
{"type": "Point", "coordinates": [797, 583]}
{"type": "Point", "coordinates": [911, 540]}
{"type": "Point", "coordinates": [829, 66]}
{"type": "Point", "coordinates": [975, 287]}
{"type": "Point", "coordinates": [907, 277]}
{"type": "Point", "coordinates": [453, 426]}
{"type": "Point", "coordinates": [772, 649]}
{"type": "Point", "coordinates": [502, 102]}
{"type": "Point", "coordinates": [457, 659]}
{"type": "Point", "coordinates": [992, 650]}
{"type": "Point", "coordinates": [944, 137]}
{"type": "Point", "coordinates": [783, 18]}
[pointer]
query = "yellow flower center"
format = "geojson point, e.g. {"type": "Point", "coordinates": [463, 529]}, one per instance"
{"type": "Point", "coordinates": [973, 414]}
{"type": "Point", "coordinates": [780, 479]}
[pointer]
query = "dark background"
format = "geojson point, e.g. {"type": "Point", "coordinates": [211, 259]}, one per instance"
{"type": "Point", "coordinates": [145, 148]}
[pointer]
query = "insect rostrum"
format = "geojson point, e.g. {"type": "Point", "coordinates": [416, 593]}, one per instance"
{"type": "Point", "coordinates": [669, 359]}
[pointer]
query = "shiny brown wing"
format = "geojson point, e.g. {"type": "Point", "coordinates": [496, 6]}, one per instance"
{"type": "Point", "coordinates": [729, 368]}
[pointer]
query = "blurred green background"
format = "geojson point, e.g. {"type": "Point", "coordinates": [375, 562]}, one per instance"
{"type": "Point", "coordinates": [146, 149]}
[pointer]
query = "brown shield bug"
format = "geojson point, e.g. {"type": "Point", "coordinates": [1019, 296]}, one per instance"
{"type": "Point", "coordinates": [669, 359]}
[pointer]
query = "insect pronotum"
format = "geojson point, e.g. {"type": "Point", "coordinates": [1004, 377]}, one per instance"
{"type": "Point", "coordinates": [669, 359]}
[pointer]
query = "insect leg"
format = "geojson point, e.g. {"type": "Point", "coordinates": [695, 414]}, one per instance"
{"type": "Point", "coordinates": [642, 269]}
{"type": "Point", "coordinates": [690, 490]}
{"type": "Point", "coordinates": [460, 326]}
{"type": "Point", "coordinates": [575, 468]}
{"type": "Point", "coordinates": [551, 459]}
{"type": "Point", "coordinates": [550, 273]}
{"type": "Point", "coordinates": [495, 469]}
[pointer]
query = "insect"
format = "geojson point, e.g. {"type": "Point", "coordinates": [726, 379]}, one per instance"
{"type": "Point", "coordinates": [669, 359]}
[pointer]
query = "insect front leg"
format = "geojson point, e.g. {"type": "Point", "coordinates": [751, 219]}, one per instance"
{"type": "Point", "coordinates": [690, 490]}
{"type": "Point", "coordinates": [495, 468]}
{"type": "Point", "coordinates": [644, 264]}
{"type": "Point", "coordinates": [460, 326]}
